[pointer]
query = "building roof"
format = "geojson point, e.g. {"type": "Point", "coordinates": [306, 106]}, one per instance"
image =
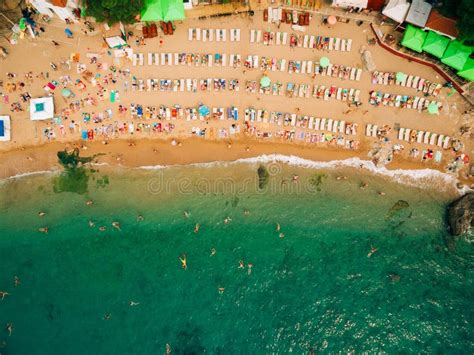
{"type": "Point", "coordinates": [5, 129]}
{"type": "Point", "coordinates": [41, 108]}
{"type": "Point", "coordinates": [442, 24]}
{"type": "Point", "coordinates": [418, 13]}
{"type": "Point", "coordinates": [396, 10]}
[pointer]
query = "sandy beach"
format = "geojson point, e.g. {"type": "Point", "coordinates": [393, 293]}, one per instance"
{"type": "Point", "coordinates": [30, 150]}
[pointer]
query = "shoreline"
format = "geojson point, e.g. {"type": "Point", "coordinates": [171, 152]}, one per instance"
{"type": "Point", "coordinates": [152, 154]}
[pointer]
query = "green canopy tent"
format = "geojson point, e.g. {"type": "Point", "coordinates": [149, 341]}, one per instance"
{"type": "Point", "coordinates": [435, 44]}
{"type": "Point", "coordinates": [456, 55]}
{"type": "Point", "coordinates": [468, 71]}
{"type": "Point", "coordinates": [173, 10]}
{"type": "Point", "coordinates": [413, 38]}
{"type": "Point", "coordinates": [152, 11]}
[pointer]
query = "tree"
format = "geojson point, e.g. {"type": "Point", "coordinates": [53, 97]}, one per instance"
{"type": "Point", "coordinates": [463, 10]}
{"type": "Point", "coordinates": [112, 11]}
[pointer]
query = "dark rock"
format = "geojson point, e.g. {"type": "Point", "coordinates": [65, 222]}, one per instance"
{"type": "Point", "coordinates": [461, 214]}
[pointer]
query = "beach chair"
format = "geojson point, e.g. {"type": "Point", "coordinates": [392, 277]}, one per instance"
{"type": "Point", "coordinates": [283, 65]}
{"type": "Point", "coordinates": [419, 137]}
{"type": "Point", "coordinates": [150, 58]}
{"type": "Point", "coordinates": [323, 124]}
{"type": "Point", "coordinates": [409, 81]}
{"type": "Point", "coordinates": [198, 34]}
{"type": "Point", "coordinates": [446, 142]}
{"type": "Point", "coordinates": [329, 125]}
{"type": "Point", "coordinates": [342, 126]}
{"type": "Point", "coordinates": [305, 41]}
{"type": "Point", "coordinates": [278, 38]}
{"type": "Point", "coordinates": [440, 140]}
{"type": "Point", "coordinates": [415, 82]}
{"type": "Point", "coordinates": [134, 60]}
{"type": "Point", "coordinates": [426, 138]}
{"type": "Point", "coordinates": [401, 134]}
{"type": "Point", "coordinates": [335, 127]}
{"type": "Point", "coordinates": [252, 36]}
{"type": "Point", "coordinates": [331, 44]}
{"type": "Point", "coordinates": [157, 59]}
{"type": "Point", "coordinates": [176, 58]}
{"type": "Point", "coordinates": [358, 74]}
{"type": "Point", "coordinates": [224, 60]}
{"type": "Point", "coordinates": [204, 35]}
{"type": "Point", "coordinates": [237, 35]}
{"type": "Point", "coordinates": [349, 45]}
{"type": "Point", "coordinates": [284, 39]}
{"type": "Point", "coordinates": [190, 34]}
{"type": "Point", "coordinates": [337, 44]}
{"type": "Point", "coordinates": [311, 42]}
{"type": "Point", "coordinates": [317, 124]}
{"type": "Point", "coordinates": [438, 156]}
{"type": "Point", "coordinates": [433, 139]}
{"type": "Point", "coordinates": [353, 73]}
{"type": "Point", "coordinates": [303, 67]}
{"type": "Point", "coordinates": [224, 35]}
{"type": "Point", "coordinates": [343, 45]}
{"type": "Point", "coordinates": [375, 130]}
{"type": "Point", "coordinates": [259, 36]}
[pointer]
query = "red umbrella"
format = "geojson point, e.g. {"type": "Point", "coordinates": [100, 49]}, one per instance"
{"type": "Point", "coordinates": [332, 20]}
{"type": "Point", "coordinates": [466, 159]}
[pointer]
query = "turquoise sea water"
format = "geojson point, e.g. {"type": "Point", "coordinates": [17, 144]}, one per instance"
{"type": "Point", "coordinates": [313, 289]}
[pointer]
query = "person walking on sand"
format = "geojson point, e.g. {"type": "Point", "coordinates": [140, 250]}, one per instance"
{"type": "Point", "coordinates": [184, 264]}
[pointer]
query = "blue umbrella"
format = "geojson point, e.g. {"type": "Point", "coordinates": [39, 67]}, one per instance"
{"type": "Point", "coordinates": [203, 110]}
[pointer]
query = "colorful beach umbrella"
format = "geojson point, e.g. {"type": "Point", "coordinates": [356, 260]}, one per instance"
{"type": "Point", "coordinates": [173, 10]}
{"type": "Point", "coordinates": [152, 11]}
{"type": "Point", "coordinates": [203, 110]}
{"type": "Point", "coordinates": [332, 20]}
{"type": "Point", "coordinates": [433, 108]}
{"type": "Point", "coordinates": [400, 77]}
{"type": "Point", "coordinates": [265, 82]}
{"type": "Point", "coordinates": [467, 71]}
{"type": "Point", "coordinates": [414, 38]}
{"type": "Point", "coordinates": [456, 55]}
{"type": "Point", "coordinates": [435, 44]}
{"type": "Point", "coordinates": [324, 62]}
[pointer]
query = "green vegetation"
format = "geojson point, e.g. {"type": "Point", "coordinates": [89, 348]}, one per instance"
{"type": "Point", "coordinates": [463, 10]}
{"type": "Point", "coordinates": [317, 180]}
{"type": "Point", "coordinates": [112, 11]}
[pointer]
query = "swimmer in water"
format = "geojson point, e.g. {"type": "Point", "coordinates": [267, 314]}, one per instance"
{"type": "Point", "coordinates": [196, 228]}
{"type": "Point", "coordinates": [116, 225]}
{"type": "Point", "coordinates": [278, 227]}
{"type": "Point", "coordinates": [41, 213]}
{"type": "Point", "coordinates": [9, 329]}
{"type": "Point", "coordinates": [3, 294]}
{"type": "Point", "coordinates": [250, 268]}
{"type": "Point", "coordinates": [91, 224]}
{"type": "Point", "coordinates": [213, 251]}
{"type": "Point", "coordinates": [184, 264]}
{"type": "Point", "coordinates": [107, 316]}
{"type": "Point", "coordinates": [246, 212]}
{"type": "Point", "coordinates": [131, 303]}
{"type": "Point", "coordinates": [43, 230]}
{"type": "Point", "coordinates": [186, 214]}
{"type": "Point", "coordinates": [140, 218]}
{"type": "Point", "coordinates": [227, 220]}
{"type": "Point", "coordinates": [221, 290]}
{"type": "Point", "coordinates": [364, 185]}
{"type": "Point", "coordinates": [281, 235]}
{"type": "Point", "coordinates": [372, 251]}
{"type": "Point", "coordinates": [89, 203]}
{"type": "Point", "coordinates": [17, 281]}
{"type": "Point", "coordinates": [241, 264]}
{"type": "Point", "coordinates": [102, 228]}
{"type": "Point", "coordinates": [295, 178]}
{"type": "Point", "coordinates": [381, 193]}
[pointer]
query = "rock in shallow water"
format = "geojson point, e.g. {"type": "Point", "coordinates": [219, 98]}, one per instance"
{"type": "Point", "coordinates": [461, 214]}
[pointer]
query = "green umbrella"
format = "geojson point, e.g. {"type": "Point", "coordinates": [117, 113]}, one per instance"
{"type": "Point", "coordinates": [400, 76]}
{"type": "Point", "coordinates": [456, 55]}
{"type": "Point", "coordinates": [324, 62]}
{"type": "Point", "coordinates": [265, 82]}
{"type": "Point", "coordinates": [413, 38]}
{"type": "Point", "coordinates": [467, 71]}
{"type": "Point", "coordinates": [435, 44]}
{"type": "Point", "coordinates": [173, 10]}
{"type": "Point", "coordinates": [22, 24]}
{"type": "Point", "coordinates": [433, 108]}
{"type": "Point", "coordinates": [152, 11]}
{"type": "Point", "coordinates": [66, 92]}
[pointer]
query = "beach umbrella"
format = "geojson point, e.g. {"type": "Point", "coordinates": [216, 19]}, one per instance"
{"type": "Point", "coordinates": [324, 62]}
{"type": "Point", "coordinates": [203, 110]}
{"type": "Point", "coordinates": [435, 44]}
{"type": "Point", "coordinates": [332, 20]}
{"type": "Point", "coordinates": [413, 38]}
{"type": "Point", "coordinates": [66, 92]}
{"type": "Point", "coordinates": [433, 108]}
{"type": "Point", "coordinates": [265, 81]}
{"type": "Point", "coordinates": [456, 55]}
{"type": "Point", "coordinates": [22, 24]}
{"type": "Point", "coordinates": [400, 76]}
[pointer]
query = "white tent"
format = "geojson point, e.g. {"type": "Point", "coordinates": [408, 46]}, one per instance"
{"type": "Point", "coordinates": [5, 129]}
{"type": "Point", "coordinates": [361, 4]}
{"type": "Point", "coordinates": [397, 10]}
{"type": "Point", "coordinates": [41, 108]}
{"type": "Point", "coordinates": [419, 13]}
{"type": "Point", "coordinates": [115, 42]}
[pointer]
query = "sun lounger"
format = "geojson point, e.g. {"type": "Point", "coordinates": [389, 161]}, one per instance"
{"type": "Point", "coordinates": [311, 42]}
{"type": "Point", "coordinates": [335, 126]}
{"type": "Point", "coordinates": [323, 124]}
{"type": "Point", "coordinates": [331, 44]}
{"type": "Point", "coordinates": [204, 35]}
{"type": "Point", "coordinates": [134, 60]}
{"type": "Point", "coordinates": [409, 81]}
{"type": "Point", "coordinates": [337, 44]}
{"type": "Point", "coordinates": [342, 126]}
{"type": "Point", "coordinates": [259, 36]}
{"type": "Point", "coordinates": [407, 134]}
{"type": "Point", "coordinates": [252, 36]}
{"type": "Point", "coordinates": [343, 45]}
{"type": "Point", "coordinates": [446, 142]}
{"type": "Point", "coordinates": [401, 134]}
{"type": "Point", "coordinates": [415, 82]}
{"type": "Point", "coordinates": [150, 58]}
{"type": "Point", "coordinates": [198, 34]}
{"type": "Point", "coordinates": [349, 45]}
{"type": "Point", "coordinates": [440, 140]}
{"type": "Point", "coordinates": [419, 136]}
{"type": "Point", "coordinates": [433, 139]}
{"type": "Point", "coordinates": [317, 124]}
{"type": "Point", "coordinates": [329, 125]}
{"type": "Point", "coordinates": [285, 38]}
{"type": "Point", "coordinates": [375, 130]}
{"type": "Point", "coordinates": [190, 34]}
{"type": "Point", "coordinates": [306, 41]}
{"type": "Point", "coordinates": [278, 38]}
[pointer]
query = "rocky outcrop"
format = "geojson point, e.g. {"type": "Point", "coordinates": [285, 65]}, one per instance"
{"type": "Point", "coordinates": [461, 214]}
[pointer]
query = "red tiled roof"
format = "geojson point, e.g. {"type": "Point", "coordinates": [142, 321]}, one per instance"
{"type": "Point", "coordinates": [442, 24]}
